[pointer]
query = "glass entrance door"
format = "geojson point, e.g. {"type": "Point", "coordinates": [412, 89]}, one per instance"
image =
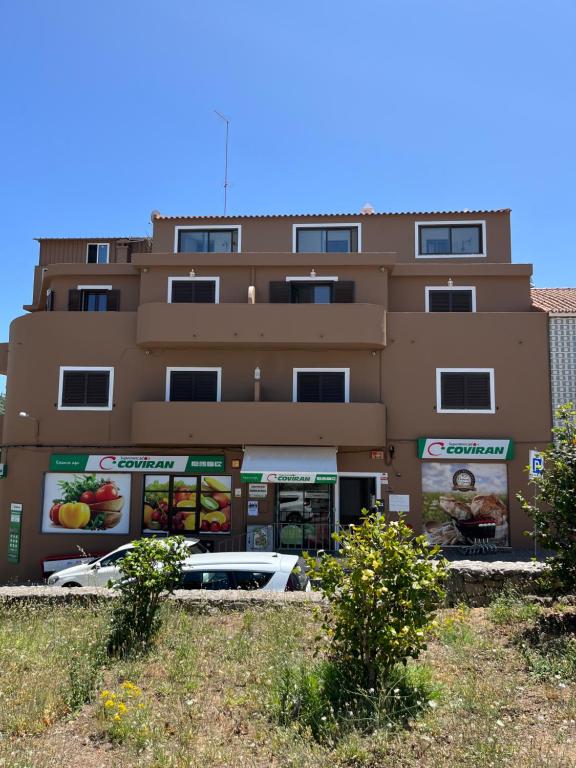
{"type": "Point", "coordinates": [304, 516]}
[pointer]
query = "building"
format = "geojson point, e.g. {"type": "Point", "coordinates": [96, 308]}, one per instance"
{"type": "Point", "coordinates": [560, 305]}
{"type": "Point", "coordinates": [257, 380]}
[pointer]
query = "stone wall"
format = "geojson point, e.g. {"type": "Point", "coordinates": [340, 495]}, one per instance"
{"type": "Point", "coordinates": [470, 581]}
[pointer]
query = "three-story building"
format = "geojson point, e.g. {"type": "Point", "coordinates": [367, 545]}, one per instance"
{"type": "Point", "coordinates": [258, 380]}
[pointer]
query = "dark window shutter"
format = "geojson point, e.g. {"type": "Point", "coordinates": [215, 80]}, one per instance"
{"type": "Point", "coordinates": [478, 390]}
{"type": "Point", "coordinates": [320, 387]}
{"type": "Point", "coordinates": [83, 389]}
{"type": "Point", "coordinates": [461, 301]}
{"type": "Point", "coordinates": [439, 301]}
{"type": "Point", "coordinates": [332, 387]}
{"type": "Point", "coordinates": [74, 300]}
{"type": "Point", "coordinates": [204, 292]}
{"type": "Point", "coordinates": [97, 384]}
{"type": "Point", "coordinates": [190, 386]}
{"type": "Point", "coordinates": [191, 291]}
{"type": "Point", "coordinates": [279, 292]}
{"type": "Point", "coordinates": [113, 304]}
{"type": "Point", "coordinates": [343, 291]}
{"type": "Point", "coordinates": [465, 390]}
{"type": "Point", "coordinates": [74, 388]}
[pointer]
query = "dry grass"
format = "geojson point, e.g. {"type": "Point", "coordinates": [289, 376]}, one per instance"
{"type": "Point", "coordinates": [205, 696]}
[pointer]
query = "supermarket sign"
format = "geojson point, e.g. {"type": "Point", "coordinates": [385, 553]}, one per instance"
{"type": "Point", "coordinates": [460, 448]}
{"type": "Point", "coordinates": [282, 476]}
{"type": "Point", "coordinates": [83, 462]}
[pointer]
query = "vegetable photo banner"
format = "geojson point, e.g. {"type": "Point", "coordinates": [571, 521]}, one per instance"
{"type": "Point", "coordinates": [86, 503]}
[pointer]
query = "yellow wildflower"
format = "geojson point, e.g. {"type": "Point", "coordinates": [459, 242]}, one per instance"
{"type": "Point", "coordinates": [122, 707]}
{"type": "Point", "coordinates": [117, 717]}
{"type": "Point", "coordinates": [109, 704]}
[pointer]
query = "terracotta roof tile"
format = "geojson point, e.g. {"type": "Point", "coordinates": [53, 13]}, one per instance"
{"type": "Point", "coordinates": [554, 299]}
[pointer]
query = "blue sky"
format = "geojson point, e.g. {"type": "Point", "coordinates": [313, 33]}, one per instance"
{"type": "Point", "coordinates": [107, 113]}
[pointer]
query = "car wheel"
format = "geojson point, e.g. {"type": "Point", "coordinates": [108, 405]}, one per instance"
{"type": "Point", "coordinates": [71, 584]}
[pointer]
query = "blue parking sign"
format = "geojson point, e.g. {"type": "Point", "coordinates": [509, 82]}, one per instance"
{"type": "Point", "coordinates": [536, 464]}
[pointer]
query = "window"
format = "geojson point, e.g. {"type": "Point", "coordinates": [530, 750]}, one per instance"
{"type": "Point", "coordinates": [334, 239]}
{"type": "Point", "coordinates": [97, 253]}
{"type": "Point", "coordinates": [321, 385]}
{"type": "Point", "coordinates": [193, 384]}
{"type": "Point", "coordinates": [85, 388]}
{"type": "Point", "coordinates": [207, 239]}
{"type": "Point", "coordinates": [187, 504]}
{"type": "Point", "coordinates": [251, 579]}
{"type": "Point", "coordinates": [450, 239]}
{"type": "Point", "coordinates": [302, 290]}
{"type": "Point", "coordinates": [206, 580]}
{"type": "Point", "coordinates": [460, 390]}
{"type": "Point", "coordinates": [450, 299]}
{"type": "Point", "coordinates": [193, 290]}
{"type": "Point", "coordinates": [93, 298]}
{"type": "Point", "coordinates": [112, 559]}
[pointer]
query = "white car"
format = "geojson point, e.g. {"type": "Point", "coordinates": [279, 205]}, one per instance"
{"type": "Point", "coordinates": [105, 569]}
{"type": "Point", "coordinates": [268, 571]}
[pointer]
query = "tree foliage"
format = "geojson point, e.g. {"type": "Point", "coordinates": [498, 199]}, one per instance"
{"type": "Point", "coordinates": [553, 507]}
{"type": "Point", "coordinates": [383, 593]}
{"type": "Point", "coordinates": [150, 570]}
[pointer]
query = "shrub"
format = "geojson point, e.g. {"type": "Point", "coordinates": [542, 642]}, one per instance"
{"type": "Point", "coordinates": [552, 508]}
{"type": "Point", "coordinates": [150, 570]}
{"type": "Point", "coordinates": [382, 596]}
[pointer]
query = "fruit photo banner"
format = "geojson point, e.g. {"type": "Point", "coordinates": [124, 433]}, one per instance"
{"type": "Point", "coordinates": [86, 503]}
{"type": "Point", "coordinates": [187, 504]}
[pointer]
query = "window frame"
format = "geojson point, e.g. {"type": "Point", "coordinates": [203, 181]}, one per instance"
{"type": "Point", "coordinates": [459, 223]}
{"type": "Point", "coordinates": [208, 228]}
{"type": "Point", "coordinates": [439, 409]}
{"type": "Point", "coordinates": [185, 278]}
{"type": "Point", "coordinates": [65, 368]}
{"type": "Point", "coordinates": [296, 371]}
{"type": "Point", "coordinates": [350, 225]}
{"type": "Point", "coordinates": [98, 262]}
{"type": "Point", "coordinates": [171, 369]}
{"type": "Point", "coordinates": [428, 288]}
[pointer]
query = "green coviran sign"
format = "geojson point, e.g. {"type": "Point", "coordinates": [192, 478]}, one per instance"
{"type": "Point", "coordinates": [283, 476]}
{"type": "Point", "coordinates": [83, 462]}
{"type": "Point", "coordinates": [459, 448]}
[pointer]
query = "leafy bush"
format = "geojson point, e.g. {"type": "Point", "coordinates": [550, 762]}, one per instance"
{"type": "Point", "coordinates": [383, 594]}
{"type": "Point", "coordinates": [150, 570]}
{"type": "Point", "coordinates": [552, 508]}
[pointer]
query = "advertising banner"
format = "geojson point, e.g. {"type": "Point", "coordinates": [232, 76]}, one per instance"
{"type": "Point", "coordinates": [457, 448]}
{"type": "Point", "coordinates": [465, 503]}
{"type": "Point", "coordinates": [282, 476]}
{"type": "Point", "coordinates": [86, 503]}
{"type": "Point", "coordinates": [81, 462]}
{"type": "Point", "coordinates": [187, 504]}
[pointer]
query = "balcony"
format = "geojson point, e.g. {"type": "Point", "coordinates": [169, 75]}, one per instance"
{"type": "Point", "coordinates": [258, 423]}
{"type": "Point", "coordinates": [296, 326]}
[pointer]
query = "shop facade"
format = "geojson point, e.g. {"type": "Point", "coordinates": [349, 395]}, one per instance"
{"type": "Point", "coordinates": [261, 396]}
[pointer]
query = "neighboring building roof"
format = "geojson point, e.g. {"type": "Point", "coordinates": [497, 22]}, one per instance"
{"type": "Point", "coordinates": [130, 238]}
{"type": "Point", "coordinates": [554, 300]}
{"type": "Point", "coordinates": [158, 215]}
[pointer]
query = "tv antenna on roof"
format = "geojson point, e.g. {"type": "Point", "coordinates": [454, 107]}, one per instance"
{"type": "Point", "coordinates": [227, 121]}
